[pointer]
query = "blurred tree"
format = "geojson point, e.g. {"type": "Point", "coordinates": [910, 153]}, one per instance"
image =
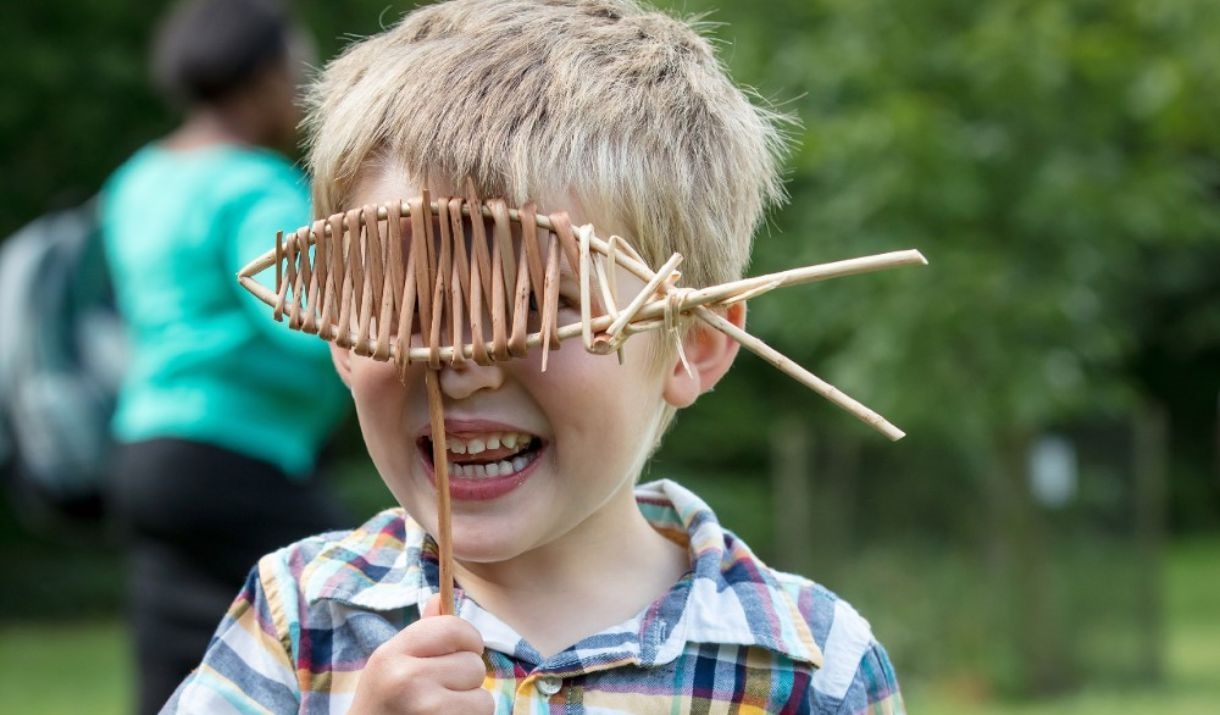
{"type": "Point", "coordinates": [1057, 162]}
{"type": "Point", "coordinates": [77, 99]}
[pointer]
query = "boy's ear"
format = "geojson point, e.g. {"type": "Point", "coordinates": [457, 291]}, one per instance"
{"type": "Point", "coordinates": [342, 358]}
{"type": "Point", "coordinates": [710, 354]}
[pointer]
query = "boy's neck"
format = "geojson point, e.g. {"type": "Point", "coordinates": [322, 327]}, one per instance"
{"type": "Point", "coordinates": [604, 572]}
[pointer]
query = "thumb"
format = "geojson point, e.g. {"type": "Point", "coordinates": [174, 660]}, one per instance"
{"type": "Point", "coordinates": [432, 607]}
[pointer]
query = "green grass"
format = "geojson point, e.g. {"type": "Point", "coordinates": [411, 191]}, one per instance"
{"type": "Point", "coordinates": [64, 669]}
{"type": "Point", "coordinates": [53, 668]}
{"type": "Point", "coordinates": [1192, 682]}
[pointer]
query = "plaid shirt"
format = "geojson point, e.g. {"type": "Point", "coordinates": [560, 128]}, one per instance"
{"type": "Point", "coordinates": [733, 636]}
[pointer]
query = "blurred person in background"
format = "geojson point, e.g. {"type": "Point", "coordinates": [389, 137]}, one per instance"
{"type": "Point", "coordinates": [222, 414]}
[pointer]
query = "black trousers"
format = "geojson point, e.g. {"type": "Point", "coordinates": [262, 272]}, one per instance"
{"type": "Point", "coordinates": [195, 518]}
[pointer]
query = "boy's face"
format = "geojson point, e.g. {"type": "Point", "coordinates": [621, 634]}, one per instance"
{"type": "Point", "coordinates": [571, 441]}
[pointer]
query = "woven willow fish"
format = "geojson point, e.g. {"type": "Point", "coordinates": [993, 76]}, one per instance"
{"type": "Point", "coordinates": [371, 278]}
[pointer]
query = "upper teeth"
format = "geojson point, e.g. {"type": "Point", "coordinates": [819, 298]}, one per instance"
{"type": "Point", "coordinates": [484, 442]}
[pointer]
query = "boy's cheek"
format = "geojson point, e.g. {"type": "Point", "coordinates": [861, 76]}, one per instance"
{"type": "Point", "coordinates": [381, 399]}
{"type": "Point", "coordinates": [379, 374]}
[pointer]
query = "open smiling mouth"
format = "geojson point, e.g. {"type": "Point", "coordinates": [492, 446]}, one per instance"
{"type": "Point", "coordinates": [486, 455]}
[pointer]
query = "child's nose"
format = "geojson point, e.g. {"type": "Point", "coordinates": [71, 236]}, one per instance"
{"type": "Point", "coordinates": [462, 381]}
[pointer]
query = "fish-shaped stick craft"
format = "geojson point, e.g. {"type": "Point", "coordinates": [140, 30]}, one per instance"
{"type": "Point", "coordinates": [453, 279]}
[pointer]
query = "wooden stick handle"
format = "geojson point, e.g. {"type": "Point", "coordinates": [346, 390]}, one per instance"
{"type": "Point", "coordinates": [440, 464]}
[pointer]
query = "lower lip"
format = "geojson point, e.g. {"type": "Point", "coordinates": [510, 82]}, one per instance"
{"type": "Point", "coordinates": [487, 488]}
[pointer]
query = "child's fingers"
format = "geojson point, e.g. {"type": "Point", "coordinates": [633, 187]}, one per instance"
{"type": "Point", "coordinates": [440, 635]}
{"type": "Point", "coordinates": [471, 702]}
{"type": "Point", "coordinates": [435, 635]}
{"type": "Point", "coordinates": [432, 607]}
{"type": "Point", "coordinates": [395, 682]}
{"type": "Point", "coordinates": [461, 671]}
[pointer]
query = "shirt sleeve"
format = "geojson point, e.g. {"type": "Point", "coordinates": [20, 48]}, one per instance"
{"type": "Point", "coordinates": [247, 667]}
{"type": "Point", "coordinates": [874, 689]}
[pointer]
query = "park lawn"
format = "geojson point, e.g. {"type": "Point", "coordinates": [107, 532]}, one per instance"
{"type": "Point", "coordinates": [70, 668]}
{"type": "Point", "coordinates": [1192, 684]}
{"type": "Point", "coordinates": [65, 668]}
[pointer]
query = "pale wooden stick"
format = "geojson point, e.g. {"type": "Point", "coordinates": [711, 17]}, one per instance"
{"type": "Point", "coordinates": [501, 260]}
{"type": "Point", "coordinates": [521, 304]}
{"type": "Point", "coordinates": [799, 276]}
{"type": "Point", "coordinates": [550, 302]}
{"type": "Point", "coordinates": [629, 313]}
{"type": "Point", "coordinates": [280, 284]}
{"type": "Point", "coordinates": [800, 374]}
{"type": "Point", "coordinates": [586, 301]}
{"type": "Point", "coordinates": [533, 250]}
{"type": "Point", "coordinates": [459, 282]}
{"type": "Point", "coordinates": [607, 281]}
{"type": "Point", "coordinates": [440, 466]}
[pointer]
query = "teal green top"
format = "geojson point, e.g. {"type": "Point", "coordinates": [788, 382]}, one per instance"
{"type": "Point", "coordinates": [208, 361]}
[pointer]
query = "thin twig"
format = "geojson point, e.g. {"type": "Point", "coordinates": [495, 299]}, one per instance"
{"type": "Point", "coordinates": [440, 466]}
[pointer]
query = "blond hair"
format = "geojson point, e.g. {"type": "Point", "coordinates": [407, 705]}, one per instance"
{"type": "Point", "coordinates": [627, 111]}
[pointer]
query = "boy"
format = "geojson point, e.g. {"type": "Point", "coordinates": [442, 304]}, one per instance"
{"type": "Point", "coordinates": [578, 592]}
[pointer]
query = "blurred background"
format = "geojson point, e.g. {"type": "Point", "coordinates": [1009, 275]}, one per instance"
{"type": "Point", "coordinates": [1047, 537]}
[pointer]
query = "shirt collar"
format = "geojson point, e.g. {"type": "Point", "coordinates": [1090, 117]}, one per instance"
{"type": "Point", "coordinates": [379, 566]}
{"type": "Point", "coordinates": [729, 597]}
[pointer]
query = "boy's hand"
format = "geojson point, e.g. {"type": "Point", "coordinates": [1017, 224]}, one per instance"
{"type": "Point", "coordinates": [434, 665]}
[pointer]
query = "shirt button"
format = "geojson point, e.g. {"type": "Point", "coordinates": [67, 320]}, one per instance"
{"type": "Point", "coordinates": [549, 686]}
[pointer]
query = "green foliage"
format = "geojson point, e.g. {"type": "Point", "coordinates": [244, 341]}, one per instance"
{"type": "Point", "coordinates": [1057, 163]}
{"type": "Point", "coordinates": [1043, 155]}
{"type": "Point", "coordinates": [75, 101]}
{"type": "Point", "coordinates": [77, 96]}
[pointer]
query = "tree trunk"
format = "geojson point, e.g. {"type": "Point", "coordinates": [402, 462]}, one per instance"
{"type": "Point", "coordinates": [836, 501]}
{"type": "Point", "coordinates": [1151, 465]}
{"type": "Point", "coordinates": [792, 495]}
{"type": "Point", "coordinates": [1042, 663]}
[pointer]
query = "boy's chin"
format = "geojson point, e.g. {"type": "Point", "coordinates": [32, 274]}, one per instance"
{"type": "Point", "coordinates": [490, 541]}
{"type": "Point", "coordinates": [485, 554]}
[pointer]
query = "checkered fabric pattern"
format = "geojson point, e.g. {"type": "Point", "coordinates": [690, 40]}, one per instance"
{"type": "Point", "coordinates": [733, 636]}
